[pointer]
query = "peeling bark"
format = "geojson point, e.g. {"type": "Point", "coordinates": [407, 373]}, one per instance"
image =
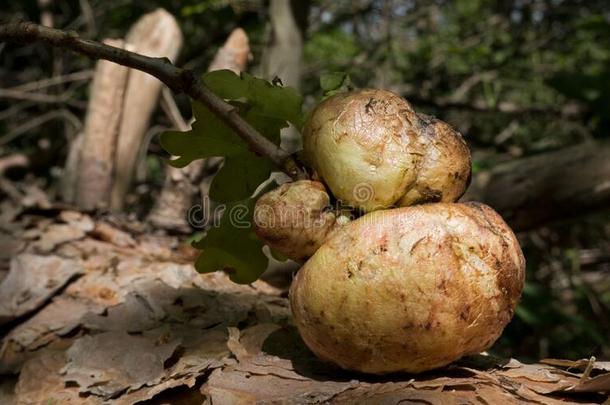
{"type": "Point", "coordinates": [31, 280]}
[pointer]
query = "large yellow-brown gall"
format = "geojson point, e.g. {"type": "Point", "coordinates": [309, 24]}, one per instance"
{"type": "Point", "coordinates": [409, 289]}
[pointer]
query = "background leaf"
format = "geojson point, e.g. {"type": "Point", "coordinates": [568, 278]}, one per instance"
{"type": "Point", "coordinates": [332, 80]}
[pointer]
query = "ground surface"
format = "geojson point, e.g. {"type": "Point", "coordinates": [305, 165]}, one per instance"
{"type": "Point", "coordinates": [96, 312]}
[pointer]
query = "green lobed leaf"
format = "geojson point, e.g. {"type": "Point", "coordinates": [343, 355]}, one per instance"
{"type": "Point", "coordinates": [274, 101]}
{"type": "Point", "coordinates": [267, 99]}
{"type": "Point", "coordinates": [225, 84]}
{"type": "Point", "coordinates": [239, 177]}
{"type": "Point", "coordinates": [209, 137]}
{"type": "Point", "coordinates": [233, 246]}
{"type": "Point", "coordinates": [241, 174]}
{"type": "Point", "coordinates": [270, 127]}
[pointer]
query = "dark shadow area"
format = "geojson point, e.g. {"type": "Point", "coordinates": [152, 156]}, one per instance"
{"type": "Point", "coordinates": [287, 344]}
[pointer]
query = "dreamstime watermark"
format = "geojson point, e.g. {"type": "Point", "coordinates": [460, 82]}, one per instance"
{"type": "Point", "coordinates": [363, 193]}
{"type": "Point", "coordinates": [301, 215]}
{"type": "Point", "coordinates": [209, 214]}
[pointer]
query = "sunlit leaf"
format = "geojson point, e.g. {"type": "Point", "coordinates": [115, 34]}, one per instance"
{"type": "Point", "coordinates": [232, 245]}
{"type": "Point", "coordinates": [274, 101]}
{"type": "Point", "coordinates": [209, 137]}
{"type": "Point", "coordinates": [226, 84]}
{"type": "Point", "coordinates": [265, 98]}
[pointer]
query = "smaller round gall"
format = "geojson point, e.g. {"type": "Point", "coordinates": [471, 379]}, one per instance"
{"type": "Point", "coordinates": [295, 218]}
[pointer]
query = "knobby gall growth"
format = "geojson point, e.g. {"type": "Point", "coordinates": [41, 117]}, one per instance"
{"type": "Point", "coordinates": [295, 219]}
{"type": "Point", "coordinates": [374, 151]}
{"type": "Point", "coordinates": [409, 289]}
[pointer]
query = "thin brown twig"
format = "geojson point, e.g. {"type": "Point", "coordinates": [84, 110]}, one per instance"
{"type": "Point", "coordinates": [67, 78]}
{"type": "Point", "coordinates": [40, 97]}
{"type": "Point", "coordinates": [15, 108]}
{"type": "Point", "coordinates": [177, 79]}
{"type": "Point", "coordinates": [29, 125]}
{"type": "Point", "coordinates": [16, 160]}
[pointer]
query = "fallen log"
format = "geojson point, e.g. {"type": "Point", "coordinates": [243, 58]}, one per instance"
{"type": "Point", "coordinates": [552, 186]}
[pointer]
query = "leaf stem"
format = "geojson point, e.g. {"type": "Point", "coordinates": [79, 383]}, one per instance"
{"type": "Point", "coordinates": [177, 79]}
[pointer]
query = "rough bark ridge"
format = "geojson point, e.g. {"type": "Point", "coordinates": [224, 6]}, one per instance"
{"type": "Point", "coordinates": [114, 315]}
{"type": "Point", "coordinates": [551, 186]}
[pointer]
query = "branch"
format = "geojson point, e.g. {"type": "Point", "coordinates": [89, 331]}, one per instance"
{"type": "Point", "coordinates": [179, 80]}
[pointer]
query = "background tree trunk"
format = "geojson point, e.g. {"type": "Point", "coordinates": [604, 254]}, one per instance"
{"type": "Point", "coordinates": [93, 176]}
{"type": "Point", "coordinates": [284, 53]}
{"type": "Point", "coordinates": [181, 185]}
{"type": "Point", "coordinates": [548, 187]}
{"type": "Point", "coordinates": [101, 164]}
{"type": "Point", "coordinates": [156, 34]}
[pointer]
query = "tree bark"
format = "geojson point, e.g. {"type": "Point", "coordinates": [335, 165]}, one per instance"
{"type": "Point", "coordinates": [234, 54]}
{"type": "Point", "coordinates": [181, 185]}
{"type": "Point", "coordinates": [93, 173]}
{"type": "Point", "coordinates": [157, 35]}
{"type": "Point", "coordinates": [285, 50]}
{"type": "Point", "coordinates": [548, 187]}
{"type": "Point", "coordinates": [284, 53]}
